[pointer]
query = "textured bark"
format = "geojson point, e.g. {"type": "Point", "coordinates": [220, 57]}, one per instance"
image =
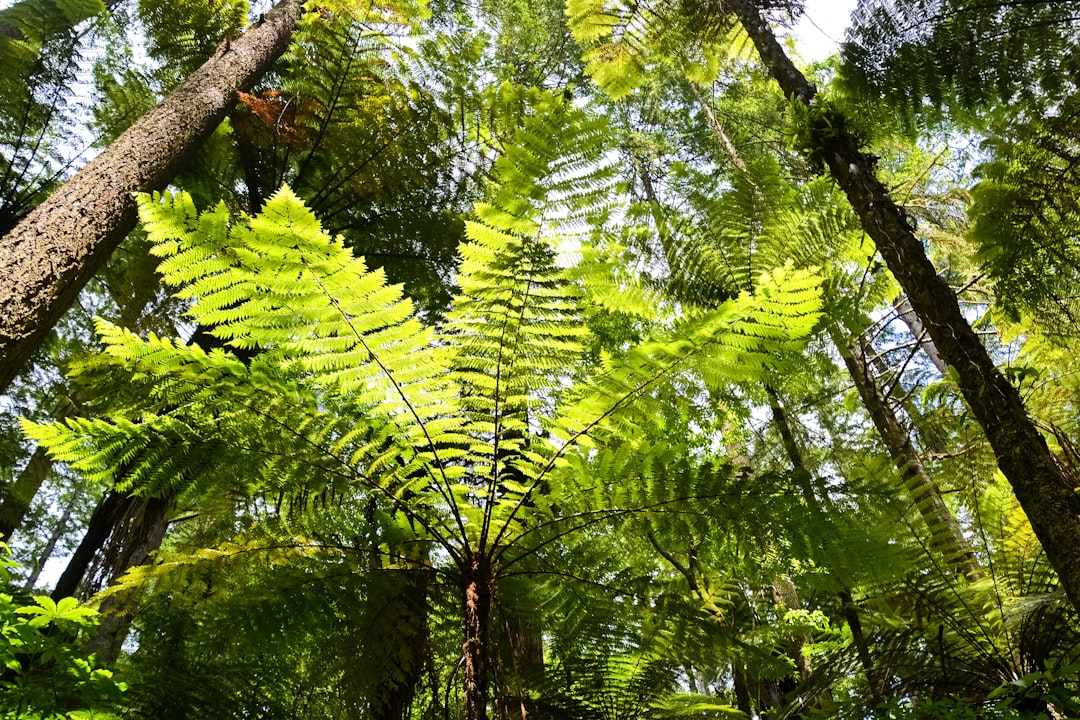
{"type": "Point", "coordinates": [945, 534]}
{"type": "Point", "coordinates": [17, 497]}
{"type": "Point", "coordinates": [48, 257]}
{"type": "Point", "coordinates": [122, 532]}
{"type": "Point", "coordinates": [476, 589]}
{"type": "Point", "coordinates": [1048, 498]}
{"type": "Point", "coordinates": [391, 682]}
{"type": "Point", "coordinates": [784, 593]}
{"type": "Point", "coordinates": [140, 534]}
{"type": "Point", "coordinates": [102, 521]}
{"type": "Point", "coordinates": [742, 689]}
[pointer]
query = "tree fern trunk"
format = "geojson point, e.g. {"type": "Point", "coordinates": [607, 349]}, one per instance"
{"type": "Point", "coordinates": [476, 592]}
{"type": "Point", "coordinates": [392, 678]}
{"type": "Point", "coordinates": [1048, 498]}
{"type": "Point", "coordinates": [48, 257]}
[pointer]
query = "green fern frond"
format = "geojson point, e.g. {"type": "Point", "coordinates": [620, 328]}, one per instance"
{"type": "Point", "coordinates": [741, 341]}
{"type": "Point", "coordinates": [621, 39]}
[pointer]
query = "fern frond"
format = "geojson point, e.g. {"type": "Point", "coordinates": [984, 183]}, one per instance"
{"type": "Point", "coordinates": [740, 341]}
{"type": "Point", "coordinates": [622, 39]}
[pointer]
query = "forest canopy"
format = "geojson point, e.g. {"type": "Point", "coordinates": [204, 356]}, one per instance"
{"type": "Point", "coordinates": [416, 359]}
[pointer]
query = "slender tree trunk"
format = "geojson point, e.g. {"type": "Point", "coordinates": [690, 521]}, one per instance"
{"type": "Point", "coordinates": [521, 654]}
{"type": "Point", "coordinates": [1048, 498]}
{"type": "Point", "coordinates": [875, 679]}
{"type": "Point", "coordinates": [742, 689]}
{"type": "Point", "coordinates": [946, 536]}
{"type": "Point", "coordinates": [17, 497]}
{"type": "Point", "coordinates": [476, 586]}
{"type": "Point", "coordinates": [815, 497]}
{"type": "Point", "coordinates": [54, 537]}
{"type": "Point", "coordinates": [918, 331]}
{"type": "Point", "coordinates": [48, 257]}
{"type": "Point", "coordinates": [392, 682]}
{"type": "Point", "coordinates": [929, 437]}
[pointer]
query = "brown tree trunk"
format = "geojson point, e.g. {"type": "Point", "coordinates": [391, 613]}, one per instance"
{"type": "Point", "coordinates": [1048, 498]}
{"type": "Point", "coordinates": [476, 586]}
{"type": "Point", "coordinates": [16, 498]}
{"type": "Point", "coordinates": [875, 678]}
{"type": "Point", "coordinates": [48, 257]}
{"type": "Point", "coordinates": [138, 534]}
{"type": "Point", "coordinates": [945, 534]}
{"type": "Point", "coordinates": [131, 526]}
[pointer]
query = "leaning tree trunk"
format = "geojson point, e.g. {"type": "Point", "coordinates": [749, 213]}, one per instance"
{"type": "Point", "coordinates": [123, 531]}
{"type": "Point", "coordinates": [946, 536]}
{"type": "Point", "coordinates": [918, 331]}
{"type": "Point", "coordinates": [48, 257]}
{"type": "Point", "coordinates": [1046, 495]}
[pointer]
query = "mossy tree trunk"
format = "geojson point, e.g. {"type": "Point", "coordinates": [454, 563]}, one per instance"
{"type": "Point", "coordinates": [1048, 498]}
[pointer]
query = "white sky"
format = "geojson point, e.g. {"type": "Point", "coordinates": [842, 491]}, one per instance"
{"type": "Point", "coordinates": [821, 28]}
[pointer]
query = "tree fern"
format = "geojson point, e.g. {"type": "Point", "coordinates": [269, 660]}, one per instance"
{"type": "Point", "coordinates": [347, 392]}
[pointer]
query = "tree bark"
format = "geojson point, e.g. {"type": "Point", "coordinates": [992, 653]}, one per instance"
{"type": "Point", "coordinates": [48, 257]}
{"type": "Point", "coordinates": [476, 587]}
{"type": "Point", "coordinates": [140, 533]}
{"type": "Point", "coordinates": [102, 520]}
{"type": "Point", "coordinates": [1048, 498]}
{"type": "Point", "coordinates": [133, 525]}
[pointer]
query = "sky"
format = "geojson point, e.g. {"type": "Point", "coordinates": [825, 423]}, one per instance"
{"type": "Point", "coordinates": [822, 26]}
